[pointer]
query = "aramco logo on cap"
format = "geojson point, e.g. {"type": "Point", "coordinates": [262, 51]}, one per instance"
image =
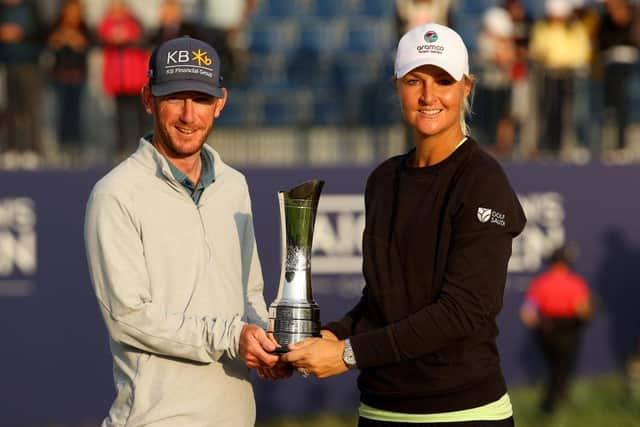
{"type": "Point", "coordinates": [430, 36]}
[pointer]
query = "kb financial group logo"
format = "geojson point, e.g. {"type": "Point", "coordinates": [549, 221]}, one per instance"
{"type": "Point", "coordinates": [182, 56]}
{"type": "Point", "coordinates": [18, 256]}
{"type": "Point", "coordinates": [185, 61]}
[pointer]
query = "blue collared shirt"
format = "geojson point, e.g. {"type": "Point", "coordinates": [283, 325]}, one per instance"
{"type": "Point", "coordinates": [206, 177]}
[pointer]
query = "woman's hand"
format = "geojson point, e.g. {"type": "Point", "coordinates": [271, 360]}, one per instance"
{"type": "Point", "coordinates": [320, 357]}
{"type": "Point", "coordinates": [328, 335]}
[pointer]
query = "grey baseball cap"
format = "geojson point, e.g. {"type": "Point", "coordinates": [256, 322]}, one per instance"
{"type": "Point", "coordinates": [185, 64]}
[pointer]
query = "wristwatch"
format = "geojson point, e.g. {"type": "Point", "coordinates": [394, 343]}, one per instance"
{"type": "Point", "coordinates": [348, 357]}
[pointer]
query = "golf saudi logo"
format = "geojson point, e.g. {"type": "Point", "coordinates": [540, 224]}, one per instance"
{"type": "Point", "coordinates": [484, 214]}
{"type": "Point", "coordinates": [490, 215]}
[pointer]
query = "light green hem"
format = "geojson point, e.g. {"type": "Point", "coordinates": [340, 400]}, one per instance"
{"type": "Point", "coordinates": [499, 410]}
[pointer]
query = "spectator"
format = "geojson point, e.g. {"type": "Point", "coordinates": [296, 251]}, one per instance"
{"type": "Point", "coordinates": [618, 46]}
{"type": "Point", "coordinates": [556, 306]}
{"type": "Point", "coordinates": [411, 13]}
{"type": "Point", "coordinates": [21, 31]}
{"type": "Point", "coordinates": [560, 47]}
{"type": "Point", "coordinates": [523, 111]}
{"type": "Point", "coordinates": [173, 24]}
{"type": "Point", "coordinates": [583, 82]}
{"type": "Point", "coordinates": [70, 42]}
{"type": "Point", "coordinates": [495, 59]}
{"type": "Point", "coordinates": [124, 71]}
{"type": "Point", "coordinates": [522, 23]}
{"type": "Point", "coordinates": [226, 22]}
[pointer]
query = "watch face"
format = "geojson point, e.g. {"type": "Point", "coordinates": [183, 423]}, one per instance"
{"type": "Point", "coordinates": [348, 357]}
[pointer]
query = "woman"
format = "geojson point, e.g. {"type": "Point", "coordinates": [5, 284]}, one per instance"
{"type": "Point", "coordinates": [124, 71]}
{"type": "Point", "coordinates": [439, 225]}
{"type": "Point", "coordinates": [618, 43]}
{"type": "Point", "coordinates": [70, 43]}
{"type": "Point", "coordinates": [561, 50]}
{"type": "Point", "coordinates": [495, 60]}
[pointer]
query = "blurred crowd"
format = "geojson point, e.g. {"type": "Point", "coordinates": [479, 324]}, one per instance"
{"type": "Point", "coordinates": [561, 85]}
{"type": "Point", "coordinates": [551, 85]}
{"type": "Point", "coordinates": [90, 56]}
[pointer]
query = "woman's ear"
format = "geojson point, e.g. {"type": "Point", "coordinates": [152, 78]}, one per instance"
{"type": "Point", "coordinates": [469, 81]}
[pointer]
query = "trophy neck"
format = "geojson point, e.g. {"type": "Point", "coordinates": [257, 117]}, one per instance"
{"type": "Point", "coordinates": [298, 208]}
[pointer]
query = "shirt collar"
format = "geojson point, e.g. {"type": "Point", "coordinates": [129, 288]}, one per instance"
{"type": "Point", "coordinates": [149, 157]}
{"type": "Point", "coordinates": [207, 175]}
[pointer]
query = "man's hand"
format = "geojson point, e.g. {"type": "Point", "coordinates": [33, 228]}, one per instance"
{"type": "Point", "coordinates": [320, 357]}
{"type": "Point", "coordinates": [255, 346]}
{"type": "Point", "coordinates": [280, 371]}
{"type": "Point", "coordinates": [529, 316]}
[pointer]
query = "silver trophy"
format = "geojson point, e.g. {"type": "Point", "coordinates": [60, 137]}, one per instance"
{"type": "Point", "coordinates": [294, 315]}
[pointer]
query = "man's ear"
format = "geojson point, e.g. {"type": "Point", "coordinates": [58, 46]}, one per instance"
{"type": "Point", "coordinates": [220, 102]}
{"type": "Point", "coordinates": [147, 98]}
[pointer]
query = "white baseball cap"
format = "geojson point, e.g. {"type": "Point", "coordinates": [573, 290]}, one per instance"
{"type": "Point", "coordinates": [432, 44]}
{"type": "Point", "coordinates": [558, 8]}
{"type": "Point", "coordinates": [498, 21]}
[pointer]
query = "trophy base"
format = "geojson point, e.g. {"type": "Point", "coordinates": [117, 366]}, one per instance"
{"type": "Point", "coordinates": [292, 324]}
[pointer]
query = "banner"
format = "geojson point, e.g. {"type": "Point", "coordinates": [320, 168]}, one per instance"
{"type": "Point", "coordinates": [56, 365]}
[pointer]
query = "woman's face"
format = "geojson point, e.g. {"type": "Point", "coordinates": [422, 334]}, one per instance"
{"type": "Point", "coordinates": [170, 13]}
{"type": "Point", "coordinates": [72, 14]}
{"type": "Point", "coordinates": [432, 101]}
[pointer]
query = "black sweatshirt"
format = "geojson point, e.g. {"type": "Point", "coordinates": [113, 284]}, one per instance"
{"type": "Point", "coordinates": [436, 245]}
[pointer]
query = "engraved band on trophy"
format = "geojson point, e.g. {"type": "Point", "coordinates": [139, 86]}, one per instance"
{"type": "Point", "coordinates": [294, 315]}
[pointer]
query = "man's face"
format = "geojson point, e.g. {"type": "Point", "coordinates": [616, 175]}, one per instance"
{"type": "Point", "coordinates": [182, 121]}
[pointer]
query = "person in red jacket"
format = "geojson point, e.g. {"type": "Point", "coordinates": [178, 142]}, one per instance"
{"type": "Point", "coordinates": [124, 71]}
{"type": "Point", "coordinates": [557, 303]}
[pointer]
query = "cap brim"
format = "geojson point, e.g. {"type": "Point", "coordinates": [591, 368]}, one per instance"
{"type": "Point", "coordinates": [456, 74]}
{"type": "Point", "coordinates": [167, 88]}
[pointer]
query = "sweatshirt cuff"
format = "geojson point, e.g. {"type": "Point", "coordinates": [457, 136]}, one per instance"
{"type": "Point", "coordinates": [236, 331]}
{"type": "Point", "coordinates": [340, 331]}
{"type": "Point", "coordinates": [375, 348]}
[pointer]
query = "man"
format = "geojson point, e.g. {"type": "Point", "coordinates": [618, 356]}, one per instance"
{"type": "Point", "coordinates": [558, 303]}
{"type": "Point", "coordinates": [173, 260]}
{"type": "Point", "coordinates": [21, 42]}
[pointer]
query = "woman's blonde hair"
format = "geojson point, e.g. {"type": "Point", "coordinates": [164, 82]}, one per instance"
{"type": "Point", "coordinates": [466, 107]}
